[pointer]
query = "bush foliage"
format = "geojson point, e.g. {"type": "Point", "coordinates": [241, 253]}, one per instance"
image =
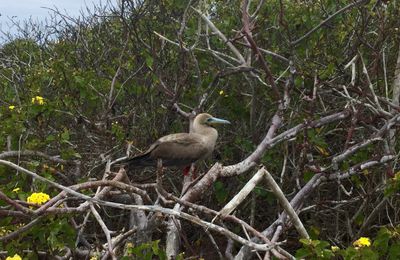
{"type": "Point", "coordinates": [79, 92]}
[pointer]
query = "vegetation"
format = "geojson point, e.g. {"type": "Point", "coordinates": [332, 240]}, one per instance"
{"type": "Point", "coordinates": [312, 90]}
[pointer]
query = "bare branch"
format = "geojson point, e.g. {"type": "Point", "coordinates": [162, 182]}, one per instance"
{"type": "Point", "coordinates": [222, 37]}
{"type": "Point", "coordinates": [243, 193]}
{"type": "Point", "coordinates": [285, 204]}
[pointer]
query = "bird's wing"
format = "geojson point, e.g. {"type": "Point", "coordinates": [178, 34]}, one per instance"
{"type": "Point", "coordinates": [182, 148]}
{"type": "Point", "coordinates": [181, 138]}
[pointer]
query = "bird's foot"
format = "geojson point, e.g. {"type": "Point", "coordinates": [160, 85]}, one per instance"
{"type": "Point", "coordinates": [188, 170]}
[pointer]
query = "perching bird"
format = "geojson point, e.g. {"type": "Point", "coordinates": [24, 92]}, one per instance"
{"type": "Point", "coordinates": [182, 149]}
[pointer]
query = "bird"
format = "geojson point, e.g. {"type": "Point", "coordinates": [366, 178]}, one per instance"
{"type": "Point", "coordinates": [181, 149]}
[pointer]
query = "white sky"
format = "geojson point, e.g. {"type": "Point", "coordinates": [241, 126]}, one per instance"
{"type": "Point", "coordinates": [25, 9]}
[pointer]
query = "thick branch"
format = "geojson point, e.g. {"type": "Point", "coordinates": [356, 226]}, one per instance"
{"type": "Point", "coordinates": [285, 204]}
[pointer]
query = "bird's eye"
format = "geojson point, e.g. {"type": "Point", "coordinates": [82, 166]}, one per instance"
{"type": "Point", "coordinates": [209, 119]}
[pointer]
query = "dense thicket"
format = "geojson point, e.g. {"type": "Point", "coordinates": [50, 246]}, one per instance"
{"type": "Point", "coordinates": [311, 88]}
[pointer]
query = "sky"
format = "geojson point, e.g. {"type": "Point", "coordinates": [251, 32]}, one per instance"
{"type": "Point", "coordinates": [25, 9]}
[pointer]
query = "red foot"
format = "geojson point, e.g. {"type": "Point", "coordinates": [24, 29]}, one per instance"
{"type": "Point", "coordinates": [186, 172]}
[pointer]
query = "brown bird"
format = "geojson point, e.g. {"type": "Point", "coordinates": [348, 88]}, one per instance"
{"type": "Point", "coordinates": [182, 149]}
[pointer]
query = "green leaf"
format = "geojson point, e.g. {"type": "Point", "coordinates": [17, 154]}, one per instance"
{"type": "Point", "coordinates": [50, 138]}
{"type": "Point", "coordinates": [308, 175]}
{"type": "Point", "coordinates": [314, 232]}
{"type": "Point", "coordinates": [328, 71]}
{"type": "Point", "coordinates": [394, 251]}
{"type": "Point", "coordinates": [77, 155]}
{"type": "Point", "coordinates": [154, 247]}
{"type": "Point", "coordinates": [302, 253]}
{"type": "Point", "coordinates": [305, 241]}
{"type": "Point", "coordinates": [369, 254]}
{"type": "Point", "coordinates": [149, 61]}
{"type": "Point", "coordinates": [65, 135]}
{"type": "Point", "coordinates": [381, 242]}
{"type": "Point", "coordinates": [220, 192]}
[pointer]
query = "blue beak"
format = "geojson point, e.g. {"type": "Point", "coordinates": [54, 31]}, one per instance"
{"type": "Point", "coordinates": [217, 121]}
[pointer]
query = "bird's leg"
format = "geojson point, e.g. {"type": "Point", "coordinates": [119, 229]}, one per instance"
{"type": "Point", "coordinates": [190, 178]}
{"type": "Point", "coordinates": [190, 170]}
{"type": "Point", "coordinates": [186, 170]}
{"type": "Point", "coordinates": [159, 172]}
{"type": "Point", "coordinates": [194, 171]}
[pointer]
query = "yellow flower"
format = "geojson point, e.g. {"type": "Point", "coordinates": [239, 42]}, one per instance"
{"type": "Point", "coordinates": [4, 231]}
{"type": "Point", "coordinates": [38, 100]}
{"type": "Point", "coordinates": [16, 189]}
{"type": "Point", "coordinates": [15, 257]}
{"type": "Point", "coordinates": [222, 93]}
{"type": "Point", "coordinates": [11, 107]}
{"type": "Point", "coordinates": [362, 241]}
{"type": "Point", "coordinates": [335, 248]}
{"type": "Point", "coordinates": [38, 198]}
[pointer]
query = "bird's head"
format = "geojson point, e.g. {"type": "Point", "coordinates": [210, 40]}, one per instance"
{"type": "Point", "coordinates": [209, 120]}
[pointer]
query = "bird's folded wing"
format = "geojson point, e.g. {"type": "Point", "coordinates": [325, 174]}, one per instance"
{"type": "Point", "coordinates": [180, 146]}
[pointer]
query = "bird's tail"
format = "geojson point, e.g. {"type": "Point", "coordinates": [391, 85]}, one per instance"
{"type": "Point", "coordinates": [139, 161]}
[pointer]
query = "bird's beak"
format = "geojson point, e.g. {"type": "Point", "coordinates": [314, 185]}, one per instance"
{"type": "Point", "coordinates": [217, 121]}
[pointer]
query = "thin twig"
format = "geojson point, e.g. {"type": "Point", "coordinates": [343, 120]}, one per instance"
{"type": "Point", "coordinates": [347, 7]}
